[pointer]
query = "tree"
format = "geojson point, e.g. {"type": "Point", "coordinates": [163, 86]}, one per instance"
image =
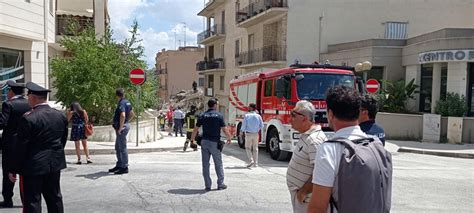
{"type": "Point", "coordinates": [96, 67]}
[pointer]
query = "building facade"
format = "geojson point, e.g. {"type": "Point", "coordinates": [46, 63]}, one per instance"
{"type": "Point", "coordinates": [241, 36]}
{"type": "Point", "coordinates": [176, 70]}
{"type": "Point", "coordinates": [31, 29]}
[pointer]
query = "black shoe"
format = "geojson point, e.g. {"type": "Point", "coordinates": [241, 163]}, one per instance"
{"type": "Point", "coordinates": [207, 189]}
{"type": "Point", "coordinates": [121, 171]}
{"type": "Point", "coordinates": [222, 187]}
{"type": "Point", "coordinates": [114, 169]}
{"type": "Point", "coordinates": [6, 204]}
{"type": "Point", "coordinates": [185, 146]}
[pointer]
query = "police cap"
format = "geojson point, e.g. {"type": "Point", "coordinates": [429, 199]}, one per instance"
{"type": "Point", "coordinates": [36, 89]}
{"type": "Point", "coordinates": [15, 87]}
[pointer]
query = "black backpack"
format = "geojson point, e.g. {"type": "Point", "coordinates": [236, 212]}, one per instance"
{"type": "Point", "coordinates": [364, 178]}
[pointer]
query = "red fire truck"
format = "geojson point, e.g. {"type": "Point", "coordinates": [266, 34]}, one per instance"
{"type": "Point", "coordinates": [276, 93]}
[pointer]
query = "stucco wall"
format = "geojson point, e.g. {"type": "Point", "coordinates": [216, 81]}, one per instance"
{"type": "Point", "coordinates": [401, 126]}
{"type": "Point", "coordinates": [148, 132]}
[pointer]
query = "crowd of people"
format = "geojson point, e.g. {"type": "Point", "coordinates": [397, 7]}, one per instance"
{"type": "Point", "coordinates": [347, 172]}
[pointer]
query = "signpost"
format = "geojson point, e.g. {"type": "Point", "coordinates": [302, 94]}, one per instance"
{"type": "Point", "coordinates": [137, 77]}
{"type": "Point", "coordinates": [372, 86]}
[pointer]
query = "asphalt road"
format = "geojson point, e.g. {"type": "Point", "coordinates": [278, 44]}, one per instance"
{"type": "Point", "coordinates": [172, 182]}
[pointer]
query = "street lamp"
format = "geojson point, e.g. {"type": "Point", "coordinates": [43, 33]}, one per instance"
{"type": "Point", "coordinates": [364, 66]}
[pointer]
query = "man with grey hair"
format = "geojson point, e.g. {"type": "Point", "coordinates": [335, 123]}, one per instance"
{"type": "Point", "coordinates": [300, 169]}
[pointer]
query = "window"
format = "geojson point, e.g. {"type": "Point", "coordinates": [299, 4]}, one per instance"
{"type": "Point", "coordinates": [426, 87]}
{"type": "Point", "coordinates": [201, 82]}
{"type": "Point", "coordinates": [375, 73]}
{"type": "Point", "coordinates": [237, 47]}
{"type": "Point", "coordinates": [444, 80]}
{"type": "Point", "coordinates": [268, 88]}
{"type": "Point", "coordinates": [222, 82]}
{"type": "Point", "coordinates": [396, 30]}
{"type": "Point", "coordinates": [12, 67]}
{"type": "Point", "coordinates": [222, 51]}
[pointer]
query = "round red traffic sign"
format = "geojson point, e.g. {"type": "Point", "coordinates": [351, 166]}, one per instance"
{"type": "Point", "coordinates": [137, 76]}
{"type": "Point", "coordinates": [372, 86]}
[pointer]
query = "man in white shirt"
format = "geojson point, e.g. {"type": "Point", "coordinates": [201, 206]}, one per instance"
{"type": "Point", "coordinates": [343, 105]}
{"type": "Point", "coordinates": [300, 168]}
{"type": "Point", "coordinates": [178, 119]}
{"type": "Point", "coordinates": [251, 126]}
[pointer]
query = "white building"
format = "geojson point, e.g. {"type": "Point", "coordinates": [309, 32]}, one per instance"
{"type": "Point", "coordinates": [30, 31]}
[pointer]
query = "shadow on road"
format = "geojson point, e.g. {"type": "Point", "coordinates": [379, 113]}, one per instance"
{"type": "Point", "coordinates": [187, 191]}
{"type": "Point", "coordinates": [264, 159]}
{"type": "Point", "coordinates": [96, 175]}
{"type": "Point", "coordinates": [237, 167]}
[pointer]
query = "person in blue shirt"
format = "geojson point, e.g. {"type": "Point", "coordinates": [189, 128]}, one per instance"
{"type": "Point", "coordinates": [212, 123]}
{"type": "Point", "coordinates": [251, 126]}
{"type": "Point", "coordinates": [122, 116]}
{"type": "Point", "coordinates": [368, 111]}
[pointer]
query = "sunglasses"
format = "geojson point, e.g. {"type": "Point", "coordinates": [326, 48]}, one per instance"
{"type": "Point", "coordinates": [295, 113]}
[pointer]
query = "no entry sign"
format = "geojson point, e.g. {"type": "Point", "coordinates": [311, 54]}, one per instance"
{"type": "Point", "coordinates": [372, 86]}
{"type": "Point", "coordinates": [137, 76]}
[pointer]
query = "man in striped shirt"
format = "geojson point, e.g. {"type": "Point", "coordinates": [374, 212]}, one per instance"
{"type": "Point", "coordinates": [300, 169]}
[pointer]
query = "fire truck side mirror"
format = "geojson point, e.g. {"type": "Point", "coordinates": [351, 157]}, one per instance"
{"type": "Point", "coordinates": [360, 85]}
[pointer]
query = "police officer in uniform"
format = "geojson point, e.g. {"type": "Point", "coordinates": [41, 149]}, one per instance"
{"type": "Point", "coordinates": [12, 111]}
{"type": "Point", "coordinates": [191, 119]}
{"type": "Point", "coordinates": [39, 152]}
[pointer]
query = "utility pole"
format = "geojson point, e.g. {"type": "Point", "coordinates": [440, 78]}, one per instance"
{"type": "Point", "coordinates": [319, 36]}
{"type": "Point", "coordinates": [175, 39]}
{"type": "Point", "coordinates": [184, 23]}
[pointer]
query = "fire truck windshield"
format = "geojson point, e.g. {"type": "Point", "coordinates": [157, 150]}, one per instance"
{"type": "Point", "coordinates": [314, 85]}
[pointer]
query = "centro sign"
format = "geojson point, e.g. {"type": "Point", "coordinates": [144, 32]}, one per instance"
{"type": "Point", "coordinates": [446, 56]}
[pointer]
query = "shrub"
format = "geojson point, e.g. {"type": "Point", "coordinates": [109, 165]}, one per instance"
{"type": "Point", "coordinates": [452, 105]}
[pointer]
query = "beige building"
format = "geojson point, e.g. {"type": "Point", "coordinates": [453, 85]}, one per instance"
{"type": "Point", "coordinates": [243, 36]}
{"type": "Point", "coordinates": [176, 70]}
{"type": "Point", "coordinates": [240, 37]}
{"type": "Point", "coordinates": [30, 31]}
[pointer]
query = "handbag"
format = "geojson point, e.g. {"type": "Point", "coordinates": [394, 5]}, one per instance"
{"type": "Point", "coordinates": [89, 129]}
{"type": "Point", "coordinates": [220, 145]}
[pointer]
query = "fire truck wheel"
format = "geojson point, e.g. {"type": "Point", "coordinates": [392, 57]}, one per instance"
{"type": "Point", "coordinates": [240, 140]}
{"type": "Point", "coordinates": [273, 142]}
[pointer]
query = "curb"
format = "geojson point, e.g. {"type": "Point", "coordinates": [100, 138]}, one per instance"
{"type": "Point", "coordinates": [130, 151]}
{"type": "Point", "coordinates": [437, 153]}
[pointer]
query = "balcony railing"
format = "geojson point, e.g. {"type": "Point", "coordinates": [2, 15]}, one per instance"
{"type": "Point", "coordinates": [268, 53]}
{"type": "Point", "coordinates": [258, 7]}
{"type": "Point", "coordinates": [217, 29]}
{"type": "Point", "coordinates": [210, 65]}
{"type": "Point", "coordinates": [161, 71]}
{"type": "Point", "coordinates": [63, 23]}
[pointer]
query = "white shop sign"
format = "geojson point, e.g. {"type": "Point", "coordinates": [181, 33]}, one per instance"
{"type": "Point", "coordinates": [446, 56]}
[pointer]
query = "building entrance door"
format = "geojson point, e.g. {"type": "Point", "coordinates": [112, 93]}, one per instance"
{"type": "Point", "coordinates": [470, 90]}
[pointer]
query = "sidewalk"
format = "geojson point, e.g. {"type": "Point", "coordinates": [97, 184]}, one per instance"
{"type": "Point", "coordinates": [438, 149]}
{"type": "Point", "coordinates": [168, 143]}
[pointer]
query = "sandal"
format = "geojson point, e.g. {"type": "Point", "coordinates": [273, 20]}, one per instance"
{"type": "Point", "coordinates": [78, 162]}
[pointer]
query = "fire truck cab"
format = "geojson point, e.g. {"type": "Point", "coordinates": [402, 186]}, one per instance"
{"type": "Point", "coordinates": [276, 92]}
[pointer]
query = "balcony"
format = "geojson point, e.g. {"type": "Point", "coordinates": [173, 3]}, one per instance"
{"type": "Point", "coordinates": [212, 34]}
{"type": "Point", "coordinates": [210, 6]}
{"type": "Point", "coordinates": [268, 55]}
{"type": "Point", "coordinates": [260, 11]}
{"type": "Point", "coordinates": [161, 71]}
{"type": "Point", "coordinates": [63, 23]}
{"type": "Point", "coordinates": [214, 65]}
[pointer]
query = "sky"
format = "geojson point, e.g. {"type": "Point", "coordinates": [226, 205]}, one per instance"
{"type": "Point", "coordinates": [159, 21]}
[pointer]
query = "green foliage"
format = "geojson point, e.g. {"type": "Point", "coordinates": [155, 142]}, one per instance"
{"type": "Point", "coordinates": [96, 67]}
{"type": "Point", "coordinates": [452, 105]}
{"type": "Point", "coordinates": [395, 95]}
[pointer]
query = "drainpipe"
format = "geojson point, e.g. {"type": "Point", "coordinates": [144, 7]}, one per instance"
{"type": "Point", "coordinates": [46, 62]}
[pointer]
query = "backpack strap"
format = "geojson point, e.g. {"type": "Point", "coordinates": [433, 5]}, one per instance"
{"type": "Point", "coordinates": [332, 204]}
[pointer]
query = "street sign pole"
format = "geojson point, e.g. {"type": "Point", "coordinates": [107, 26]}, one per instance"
{"type": "Point", "coordinates": [138, 106]}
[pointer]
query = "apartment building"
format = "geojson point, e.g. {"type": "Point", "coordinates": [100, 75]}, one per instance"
{"type": "Point", "coordinates": [241, 36]}
{"type": "Point", "coordinates": [31, 29]}
{"type": "Point", "coordinates": [176, 70]}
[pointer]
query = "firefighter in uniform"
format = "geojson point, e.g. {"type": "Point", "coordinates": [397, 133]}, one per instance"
{"type": "Point", "coordinates": [39, 152]}
{"type": "Point", "coordinates": [191, 119]}
{"type": "Point", "coordinates": [12, 111]}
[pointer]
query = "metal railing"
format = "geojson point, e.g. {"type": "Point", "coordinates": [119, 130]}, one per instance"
{"type": "Point", "coordinates": [258, 7]}
{"type": "Point", "coordinates": [63, 22]}
{"type": "Point", "coordinates": [267, 53]}
{"type": "Point", "coordinates": [217, 29]}
{"type": "Point", "coordinates": [217, 63]}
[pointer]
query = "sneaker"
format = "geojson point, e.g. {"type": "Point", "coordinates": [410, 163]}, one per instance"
{"type": "Point", "coordinates": [114, 169]}
{"type": "Point", "coordinates": [185, 146]}
{"type": "Point", "coordinates": [222, 187]}
{"type": "Point", "coordinates": [255, 165]}
{"type": "Point", "coordinates": [250, 164]}
{"type": "Point", "coordinates": [121, 171]}
{"type": "Point", "coordinates": [6, 204]}
{"type": "Point", "coordinates": [89, 161]}
{"type": "Point", "coordinates": [78, 162]}
{"type": "Point", "coordinates": [207, 189]}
